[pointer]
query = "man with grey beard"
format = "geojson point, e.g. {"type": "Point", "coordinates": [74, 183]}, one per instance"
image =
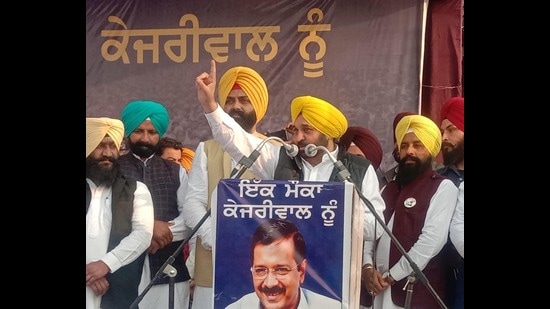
{"type": "Point", "coordinates": [119, 220]}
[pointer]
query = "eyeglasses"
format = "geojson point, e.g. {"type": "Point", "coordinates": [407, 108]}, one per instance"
{"type": "Point", "coordinates": [279, 271]}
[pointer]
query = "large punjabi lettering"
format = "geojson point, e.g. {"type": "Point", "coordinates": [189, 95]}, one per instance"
{"type": "Point", "coordinates": [216, 43]}
{"type": "Point", "coordinates": [313, 65]}
{"type": "Point", "coordinates": [328, 213]}
{"type": "Point", "coordinates": [252, 189]}
{"type": "Point", "coordinates": [181, 41]}
{"type": "Point", "coordinates": [120, 47]}
{"type": "Point", "coordinates": [302, 190]}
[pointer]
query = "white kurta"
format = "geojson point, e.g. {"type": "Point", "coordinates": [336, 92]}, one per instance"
{"type": "Point", "coordinates": [158, 295]}
{"type": "Point", "coordinates": [98, 228]}
{"type": "Point", "coordinates": [238, 143]}
{"type": "Point", "coordinates": [456, 232]}
{"type": "Point", "coordinates": [432, 239]}
{"type": "Point", "coordinates": [195, 208]}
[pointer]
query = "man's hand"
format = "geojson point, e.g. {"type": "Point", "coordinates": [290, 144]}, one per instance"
{"type": "Point", "coordinates": [162, 235]}
{"type": "Point", "coordinates": [206, 86]}
{"type": "Point", "coordinates": [374, 281]}
{"type": "Point", "coordinates": [95, 271]}
{"type": "Point", "coordinates": [99, 286]}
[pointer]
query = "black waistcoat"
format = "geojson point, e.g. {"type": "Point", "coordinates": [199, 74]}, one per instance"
{"type": "Point", "coordinates": [162, 178]}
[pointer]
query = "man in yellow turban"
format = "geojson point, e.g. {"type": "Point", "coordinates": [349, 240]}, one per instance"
{"type": "Point", "coordinates": [119, 220]}
{"type": "Point", "coordinates": [98, 128]}
{"type": "Point", "coordinates": [244, 98]}
{"type": "Point", "coordinates": [419, 206]}
{"type": "Point", "coordinates": [316, 122]}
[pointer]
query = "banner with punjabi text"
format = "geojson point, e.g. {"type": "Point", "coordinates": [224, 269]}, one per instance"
{"type": "Point", "coordinates": [363, 56]}
{"type": "Point", "coordinates": [322, 211]}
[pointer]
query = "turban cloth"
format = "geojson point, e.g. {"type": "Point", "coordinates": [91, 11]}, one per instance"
{"type": "Point", "coordinates": [320, 114]}
{"type": "Point", "coordinates": [396, 121]}
{"type": "Point", "coordinates": [187, 158]}
{"type": "Point", "coordinates": [98, 128]}
{"type": "Point", "coordinates": [138, 111]}
{"type": "Point", "coordinates": [250, 82]}
{"type": "Point", "coordinates": [453, 110]}
{"type": "Point", "coordinates": [424, 128]}
{"type": "Point", "coordinates": [366, 141]}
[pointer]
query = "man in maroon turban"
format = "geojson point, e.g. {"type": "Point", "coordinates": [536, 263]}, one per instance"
{"type": "Point", "coordinates": [365, 141]}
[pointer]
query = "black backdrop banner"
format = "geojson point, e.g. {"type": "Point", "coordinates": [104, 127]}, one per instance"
{"type": "Point", "coordinates": [364, 56]}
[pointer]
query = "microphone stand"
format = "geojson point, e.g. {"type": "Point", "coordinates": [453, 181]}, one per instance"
{"type": "Point", "coordinates": [246, 162]}
{"type": "Point", "coordinates": [344, 175]}
{"type": "Point", "coordinates": [169, 270]}
{"type": "Point", "coordinates": [166, 268]}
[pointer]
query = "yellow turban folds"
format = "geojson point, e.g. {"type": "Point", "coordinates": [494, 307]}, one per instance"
{"type": "Point", "coordinates": [320, 114]}
{"type": "Point", "coordinates": [424, 128]}
{"type": "Point", "coordinates": [250, 82]}
{"type": "Point", "coordinates": [97, 128]}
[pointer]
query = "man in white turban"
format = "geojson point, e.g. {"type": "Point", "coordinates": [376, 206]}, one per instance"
{"type": "Point", "coordinates": [119, 220]}
{"type": "Point", "coordinates": [419, 207]}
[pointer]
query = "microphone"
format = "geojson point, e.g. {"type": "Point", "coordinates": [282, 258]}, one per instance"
{"type": "Point", "coordinates": [246, 162]}
{"type": "Point", "coordinates": [291, 149]}
{"type": "Point", "coordinates": [311, 150]}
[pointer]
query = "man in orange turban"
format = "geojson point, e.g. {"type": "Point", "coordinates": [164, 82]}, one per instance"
{"type": "Point", "coordinates": [244, 98]}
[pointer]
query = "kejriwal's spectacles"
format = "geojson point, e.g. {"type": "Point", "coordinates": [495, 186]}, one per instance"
{"type": "Point", "coordinates": [279, 271]}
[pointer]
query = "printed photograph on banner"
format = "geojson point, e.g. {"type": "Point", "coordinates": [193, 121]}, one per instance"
{"type": "Point", "coordinates": [281, 242]}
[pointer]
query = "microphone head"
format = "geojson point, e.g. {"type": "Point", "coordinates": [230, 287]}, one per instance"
{"type": "Point", "coordinates": [310, 150]}
{"type": "Point", "coordinates": [291, 150]}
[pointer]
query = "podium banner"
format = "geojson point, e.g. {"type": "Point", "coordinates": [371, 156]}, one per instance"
{"type": "Point", "coordinates": [322, 212]}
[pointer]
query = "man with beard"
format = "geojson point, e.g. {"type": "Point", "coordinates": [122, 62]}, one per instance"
{"type": "Point", "coordinates": [244, 97]}
{"type": "Point", "coordinates": [314, 121]}
{"type": "Point", "coordinates": [119, 220]}
{"type": "Point", "coordinates": [145, 122]}
{"type": "Point", "coordinates": [452, 149]}
{"type": "Point", "coordinates": [419, 207]}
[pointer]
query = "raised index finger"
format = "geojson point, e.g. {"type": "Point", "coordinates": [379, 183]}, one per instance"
{"type": "Point", "coordinates": [212, 70]}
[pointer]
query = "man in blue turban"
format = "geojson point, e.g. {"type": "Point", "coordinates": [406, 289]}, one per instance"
{"type": "Point", "coordinates": [145, 122]}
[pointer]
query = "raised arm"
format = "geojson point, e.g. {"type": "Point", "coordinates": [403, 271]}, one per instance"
{"type": "Point", "coordinates": [206, 87]}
